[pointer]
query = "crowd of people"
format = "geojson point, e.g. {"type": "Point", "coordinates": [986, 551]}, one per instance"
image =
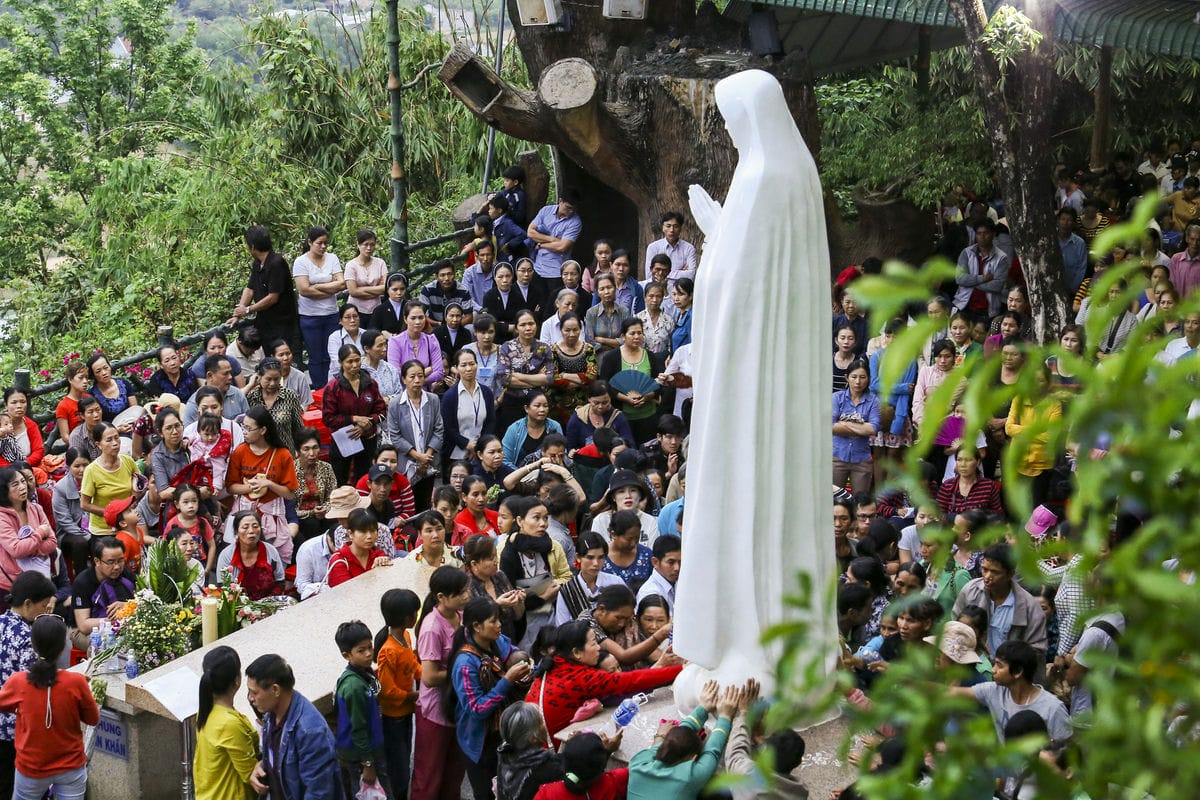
{"type": "Point", "coordinates": [522, 432]}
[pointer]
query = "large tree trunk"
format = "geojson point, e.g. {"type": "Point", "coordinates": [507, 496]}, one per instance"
{"type": "Point", "coordinates": [1018, 104]}
{"type": "Point", "coordinates": [630, 104]}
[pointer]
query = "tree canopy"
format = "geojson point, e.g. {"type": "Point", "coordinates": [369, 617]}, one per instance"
{"type": "Point", "coordinates": [144, 168]}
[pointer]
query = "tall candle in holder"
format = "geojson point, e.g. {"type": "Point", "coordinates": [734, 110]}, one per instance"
{"type": "Point", "coordinates": [208, 620]}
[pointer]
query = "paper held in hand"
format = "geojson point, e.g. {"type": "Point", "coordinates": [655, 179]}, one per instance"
{"type": "Point", "coordinates": [346, 444]}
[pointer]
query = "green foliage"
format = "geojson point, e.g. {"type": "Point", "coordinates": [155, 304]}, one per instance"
{"type": "Point", "coordinates": [1130, 427]}
{"type": "Point", "coordinates": [1009, 34]}
{"type": "Point", "coordinates": [878, 137]}
{"type": "Point", "coordinates": [84, 83]}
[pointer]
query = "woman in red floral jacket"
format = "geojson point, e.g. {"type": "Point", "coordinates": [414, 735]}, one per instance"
{"type": "Point", "coordinates": [573, 678]}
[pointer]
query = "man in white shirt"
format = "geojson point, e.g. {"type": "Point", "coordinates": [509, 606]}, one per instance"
{"type": "Point", "coordinates": [683, 256]}
{"type": "Point", "coordinates": [312, 564]}
{"type": "Point", "coordinates": [1155, 163]}
{"type": "Point", "coordinates": [247, 349]}
{"type": "Point", "coordinates": [666, 571]}
{"type": "Point", "coordinates": [1179, 348]}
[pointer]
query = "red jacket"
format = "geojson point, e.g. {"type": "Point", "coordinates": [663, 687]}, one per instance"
{"type": "Point", "coordinates": [609, 786]}
{"type": "Point", "coordinates": [570, 684]}
{"type": "Point", "coordinates": [344, 565]}
{"type": "Point", "coordinates": [339, 403]}
{"type": "Point", "coordinates": [465, 527]}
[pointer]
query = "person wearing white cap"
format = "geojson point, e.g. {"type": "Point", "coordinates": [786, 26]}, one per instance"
{"type": "Point", "coordinates": [957, 645]}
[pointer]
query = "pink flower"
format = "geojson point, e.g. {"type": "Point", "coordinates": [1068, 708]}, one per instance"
{"type": "Point", "coordinates": [45, 373]}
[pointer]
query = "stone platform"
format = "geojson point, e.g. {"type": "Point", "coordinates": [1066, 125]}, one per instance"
{"type": "Point", "coordinates": [821, 771]}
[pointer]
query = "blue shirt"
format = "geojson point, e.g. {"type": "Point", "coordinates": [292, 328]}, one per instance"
{"type": "Point", "coordinates": [683, 331]}
{"type": "Point", "coordinates": [508, 235]}
{"type": "Point", "coordinates": [631, 295]}
{"type": "Point", "coordinates": [477, 283]}
{"type": "Point", "coordinates": [668, 518]}
{"type": "Point", "coordinates": [1075, 260]}
{"type": "Point", "coordinates": [475, 708]}
{"type": "Point", "coordinates": [1000, 621]}
{"type": "Point", "coordinates": [854, 449]}
{"type": "Point", "coordinates": [547, 263]}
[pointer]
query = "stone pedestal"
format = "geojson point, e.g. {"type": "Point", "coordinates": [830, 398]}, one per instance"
{"type": "Point", "coordinates": [134, 754]}
{"type": "Point", "coordinates": [821, 771]}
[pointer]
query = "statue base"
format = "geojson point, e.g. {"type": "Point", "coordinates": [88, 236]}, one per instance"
{"type": "Point", "coordinates": [733, 671]}
{"type": "Point", "coordinates": [691, 680]}
{"type": "Point", "coordinates": [821, 771]}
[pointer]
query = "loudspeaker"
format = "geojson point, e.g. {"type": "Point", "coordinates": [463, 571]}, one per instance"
{"type": "Point", "coordinates": [539, 12]}
{"type": "Point", "coordinates": [624, 9]}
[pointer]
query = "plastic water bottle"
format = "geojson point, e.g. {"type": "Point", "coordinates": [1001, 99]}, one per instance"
{"type": "Point", "coordinates": [628, 709]}
{"type": "Point", "coordinates": [95, 643]}
{"type": "Point", "coordinates": [110, 639]}
{"type": "Point", "coordinates": [131, 665]}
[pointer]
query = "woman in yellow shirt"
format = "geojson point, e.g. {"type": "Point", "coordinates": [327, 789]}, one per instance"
{"type": "Point", "coordinates": [110, 477]}
{"type": "Point", "coordinates": [1032, 419]}
{"type": "Point", "coordinates": [226, 745]}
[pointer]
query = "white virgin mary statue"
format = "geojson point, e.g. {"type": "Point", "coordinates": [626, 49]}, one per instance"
{"type": "Point", "coordinates": [759, 508]}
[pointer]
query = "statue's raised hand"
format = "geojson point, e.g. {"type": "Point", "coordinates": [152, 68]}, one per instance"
{"type": "Point", "coordinates": [705, 210]}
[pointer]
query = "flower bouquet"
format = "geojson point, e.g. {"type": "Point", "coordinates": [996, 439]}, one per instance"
{"type": "Point", "coordinates": [255, 610]}
{"type": "Point", "coordinates": [151, 631]}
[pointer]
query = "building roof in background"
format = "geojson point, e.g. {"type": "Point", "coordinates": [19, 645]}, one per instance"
{"type": "Point", "coordinates": [843, 34]}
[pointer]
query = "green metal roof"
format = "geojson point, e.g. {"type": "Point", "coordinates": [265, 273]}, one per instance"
{"type": "Point", "coordinates": [1164, 27]}
{"type": "Point", "coordinates": [915, 12]}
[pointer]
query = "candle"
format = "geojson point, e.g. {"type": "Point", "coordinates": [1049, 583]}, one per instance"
{"type": "Point", "coordinates": [208, 620]}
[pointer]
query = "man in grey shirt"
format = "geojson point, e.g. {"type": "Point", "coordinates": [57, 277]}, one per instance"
{"type": "Point", "coordinates": [218, 373]}
{"type": "Point", "coordinates": [1013, 690]}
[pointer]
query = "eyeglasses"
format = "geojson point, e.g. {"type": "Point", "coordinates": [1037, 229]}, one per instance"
{"type": "Point", "coordinates": [113, 562]}
{"type": "Point", "coordinates": [250, 430]}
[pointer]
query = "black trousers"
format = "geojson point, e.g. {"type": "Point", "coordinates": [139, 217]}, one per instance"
{"type": "Point", "coordinates": [481, 773]}
{"type": "Point", "coordinates": [356, 465]}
